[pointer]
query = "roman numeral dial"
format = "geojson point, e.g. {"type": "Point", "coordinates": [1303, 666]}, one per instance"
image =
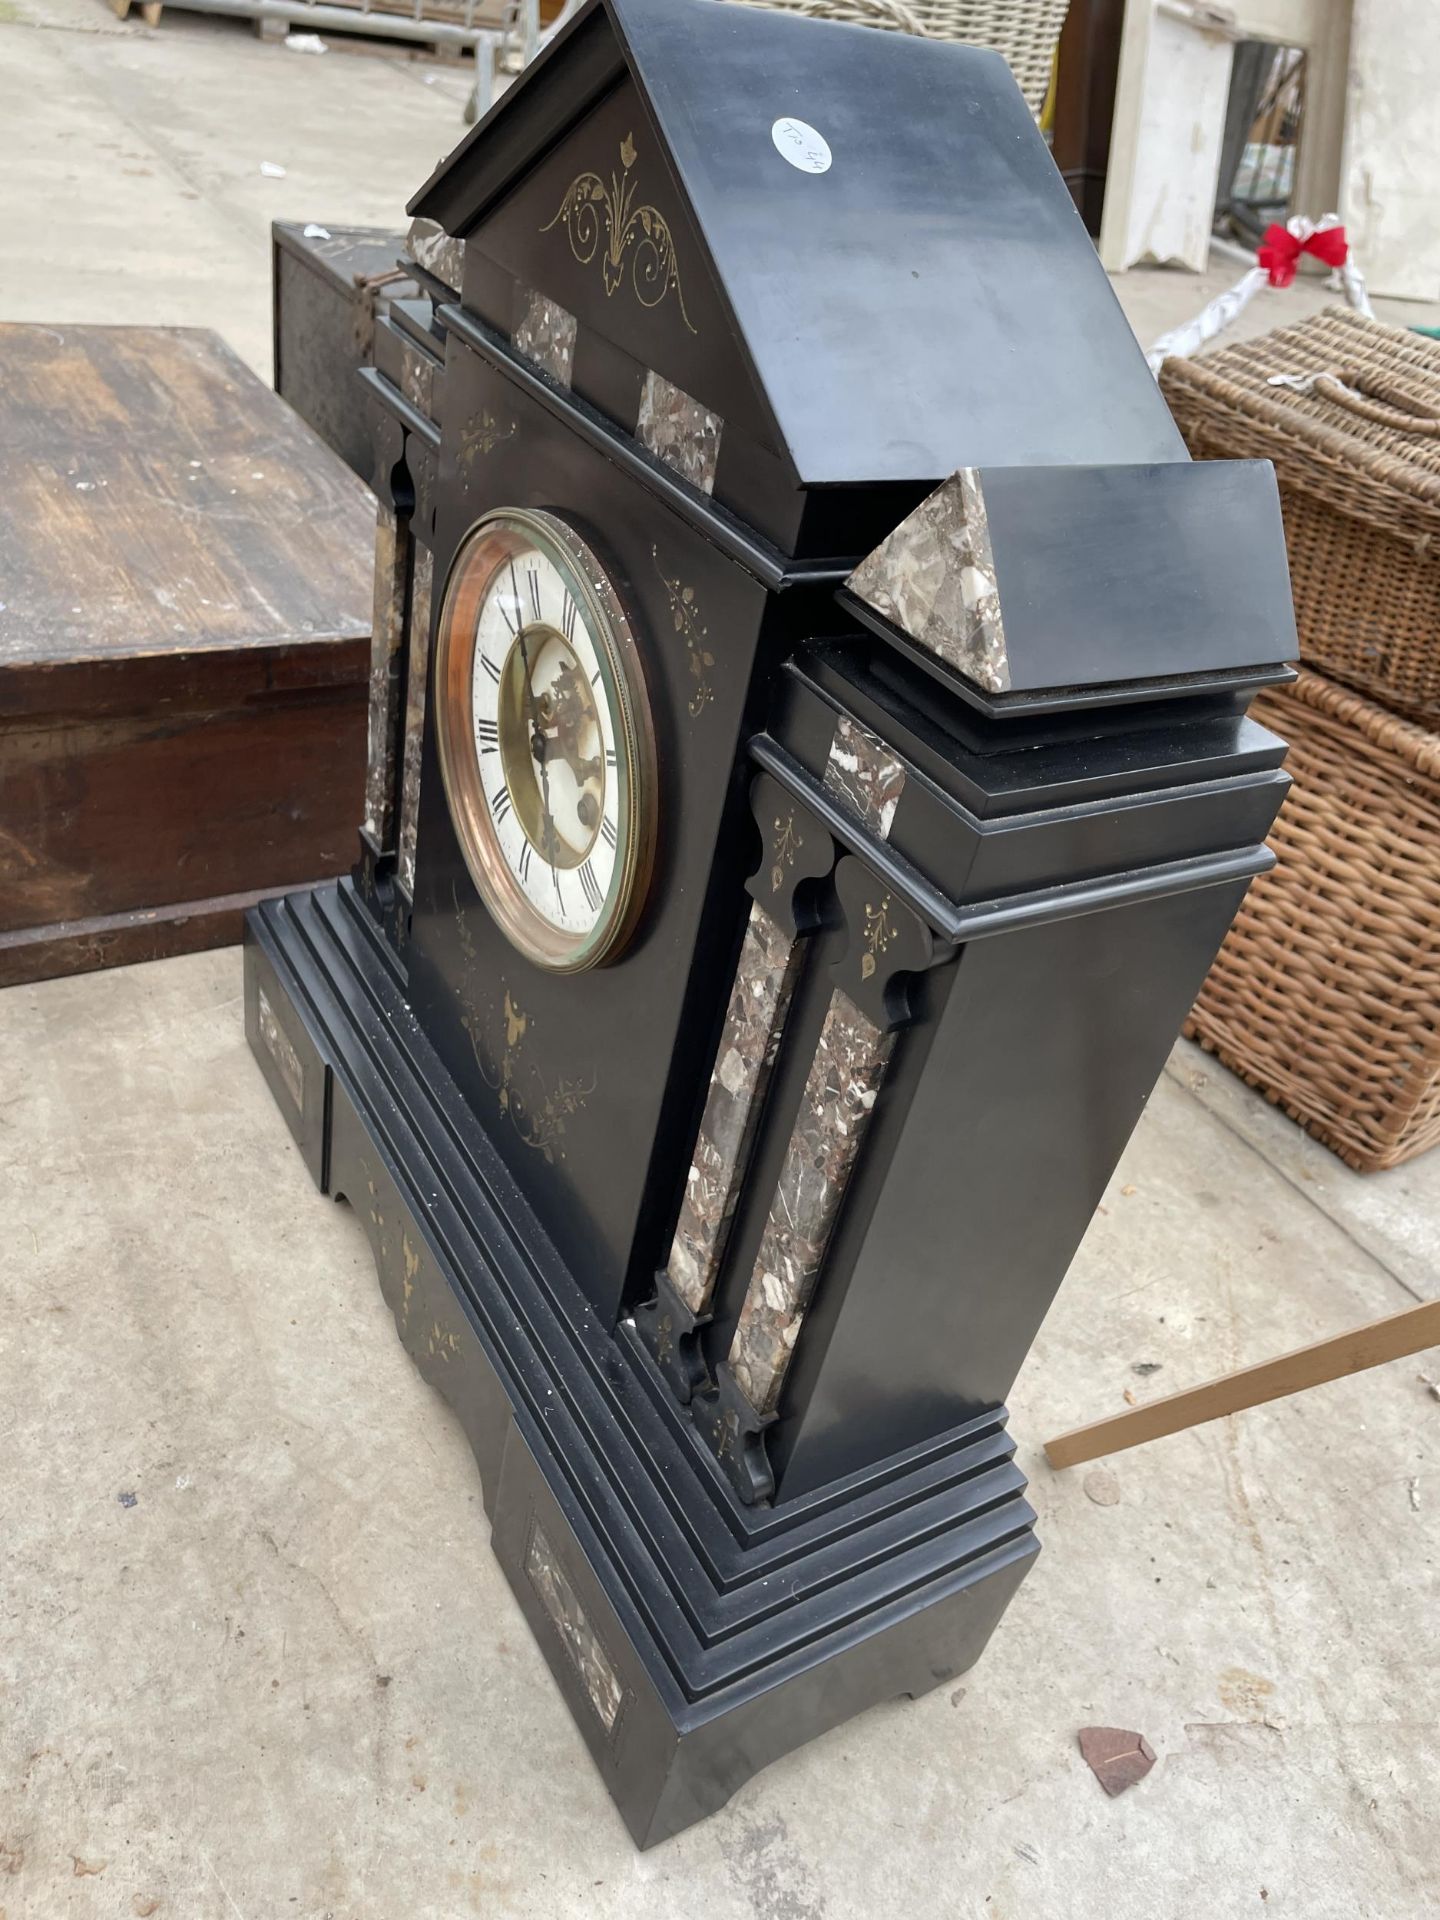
{"type": "Point", "coordinates": [545, 739]}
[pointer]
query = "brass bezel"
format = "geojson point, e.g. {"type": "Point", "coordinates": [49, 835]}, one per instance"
{"type": "Point", "coordinates": [493, 540]}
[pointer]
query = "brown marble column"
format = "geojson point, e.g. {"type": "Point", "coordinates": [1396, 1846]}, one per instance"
{"type": "Point", "coordinates": [417, 671]}
{"type": "Point", "coordinates": [387, 654]}
{"type": "Point", "coordinates": [825, 1142]}
{"type": "Point", "coordinates": [888, 944]}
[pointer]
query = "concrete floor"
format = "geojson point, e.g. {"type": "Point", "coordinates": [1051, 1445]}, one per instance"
{"type": "Point", "coordinates": [255, 1657]}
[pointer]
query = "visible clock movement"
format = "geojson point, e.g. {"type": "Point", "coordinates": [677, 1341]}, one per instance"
{"type": "Point", "coordinates": [545, 738]}
{"type": "Point", "coordinates": [795, 829]}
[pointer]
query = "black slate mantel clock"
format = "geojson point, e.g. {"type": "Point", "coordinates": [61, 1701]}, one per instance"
{"type": "Point", "coordinates": [809, 777]}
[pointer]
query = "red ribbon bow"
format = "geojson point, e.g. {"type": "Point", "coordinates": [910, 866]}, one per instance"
{"type": "Point", "coordinates": [1279, 252]}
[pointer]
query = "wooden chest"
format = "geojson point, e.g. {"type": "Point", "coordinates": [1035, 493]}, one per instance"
{"type": "Point", "coordinates": [329, 286]}
{"type": "Point", "coordinates": [185, 610]}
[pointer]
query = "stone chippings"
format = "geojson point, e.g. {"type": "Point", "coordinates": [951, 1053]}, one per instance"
{"type": "Point", "coordinates": [1118, 1757]}
{"type": "Point", "coordinates": [844, 1078]}
{"type": "Point", "coordinates": [754, 1021]}
{"type": "Point", "coordinates": [934, 577]}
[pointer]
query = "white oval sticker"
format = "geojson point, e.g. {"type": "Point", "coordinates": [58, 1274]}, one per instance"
{"type": "Point", "coordinates": [801, 145]}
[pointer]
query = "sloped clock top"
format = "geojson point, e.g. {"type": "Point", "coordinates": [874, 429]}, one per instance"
{"type": "Point", "coordinates": [930, 299]}
{"type": "Point", "coordinates": [1025, 582]}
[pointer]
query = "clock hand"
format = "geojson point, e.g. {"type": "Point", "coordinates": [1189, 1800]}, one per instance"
{"type": "Point", "coordinates": [538, 746]}
{"type": "Point", "coordinates": [533, 702]}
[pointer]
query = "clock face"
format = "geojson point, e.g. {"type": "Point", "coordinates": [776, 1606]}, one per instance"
{"type": "Point", "coordinates": [546, 746]}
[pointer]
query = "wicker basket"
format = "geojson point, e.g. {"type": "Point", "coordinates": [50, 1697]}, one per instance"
{"type": "Point", "coordinates": [1326, 995]}
{"type": "Point", "coordinates": [1358, 460]}
{"type": "Point", "coordinates": [1025, 31]}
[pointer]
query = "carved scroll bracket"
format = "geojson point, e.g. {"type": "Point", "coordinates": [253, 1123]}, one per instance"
{"type": "Point", "coordinates": [889, 945]}
{"type": "Point", "coordinates": [797, 853]}
{"type": "Point", "coordinates": [727, 1422]}
{"type": "Point", "coordinates": [671, 1329]}
{"type": "Point", "coordinates": [389, 479]}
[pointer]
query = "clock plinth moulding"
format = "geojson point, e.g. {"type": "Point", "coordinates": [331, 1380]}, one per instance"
{"type": "Point", "coordinates": [726, 1240]}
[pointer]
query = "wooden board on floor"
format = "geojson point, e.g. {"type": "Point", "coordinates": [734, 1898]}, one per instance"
{"type": "Point", "coordinates": [185, 572]}
{"type": "Point", "coordinates": [1410, 1331]}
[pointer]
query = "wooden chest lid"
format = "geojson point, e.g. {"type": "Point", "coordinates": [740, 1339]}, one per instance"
{"type": "Point", "coordinates": [159, 500]}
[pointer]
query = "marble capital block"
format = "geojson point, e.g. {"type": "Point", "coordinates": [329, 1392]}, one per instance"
{"type": "Point", "coordinates": [864, 775]}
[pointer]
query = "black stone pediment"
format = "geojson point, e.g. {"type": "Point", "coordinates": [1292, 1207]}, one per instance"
{"type": "Point", "coordinates": [928, 299]}
{"type": "Point", "coordinates": [600, 226]}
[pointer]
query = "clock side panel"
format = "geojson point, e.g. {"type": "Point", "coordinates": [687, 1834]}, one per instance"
{"type": "Point", "coordinates": [585, 1082]}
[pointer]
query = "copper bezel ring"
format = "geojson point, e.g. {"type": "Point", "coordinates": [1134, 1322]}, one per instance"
{"type": "Point", "coordinates": [495, 538]}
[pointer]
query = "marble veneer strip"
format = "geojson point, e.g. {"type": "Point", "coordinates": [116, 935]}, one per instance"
{"type": "Point", "coordinates": [387, 636]}
{"type": "Point", "coordinates": [581, 1642]}
{"type": "Point", "coordinates": [825, 1142]}
{"type": "Point", "coordinates": [765, 978]}
{"type": "Point", "coordinates": [545, 334]}
{"type": "Point", "coordinates": [430, 247]}
{"type": "Point", "coordinates": [282, 1051]}
{"type": "Point", "coordinates": [417, 672]}
{"type": "Point", "coordinates": [679, 431]}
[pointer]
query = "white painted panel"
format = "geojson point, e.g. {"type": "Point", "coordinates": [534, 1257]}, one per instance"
{"type": "Point", "coordinates": [1390, 189]}
{"type": "Point", "coordinates": [1172, 89]}
{"type": "Point", "coordinates": [1290, 23]}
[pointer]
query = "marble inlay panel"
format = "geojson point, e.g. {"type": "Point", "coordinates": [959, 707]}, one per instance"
{"type": "Point", "coordinates": [581, 1642]}
{"type": "Point", "coordinates": [864, 775]}
{"type": "Point", "coordinates": [545, 333]}
{"type": "Point", "coordinates": [417, 672]}
{"type": "Point", "coordinates": [679, 431]}
{"type": "Point", "coordinates": [765, 977]}
{"type": "Point", "coordinates": [387, 639]}
{"type": "Point", "coordinates": [934, 576]}
{"type": "Point", "coordinates": [430, 247]}
{"type": "Point", "coordinates": [840, 1091]}
{"type": "Point", "coordinates": [281, 1049]}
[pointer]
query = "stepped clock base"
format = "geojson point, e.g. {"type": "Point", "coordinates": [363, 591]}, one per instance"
{"type": "Point", "coordinates": [650, 1589]}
